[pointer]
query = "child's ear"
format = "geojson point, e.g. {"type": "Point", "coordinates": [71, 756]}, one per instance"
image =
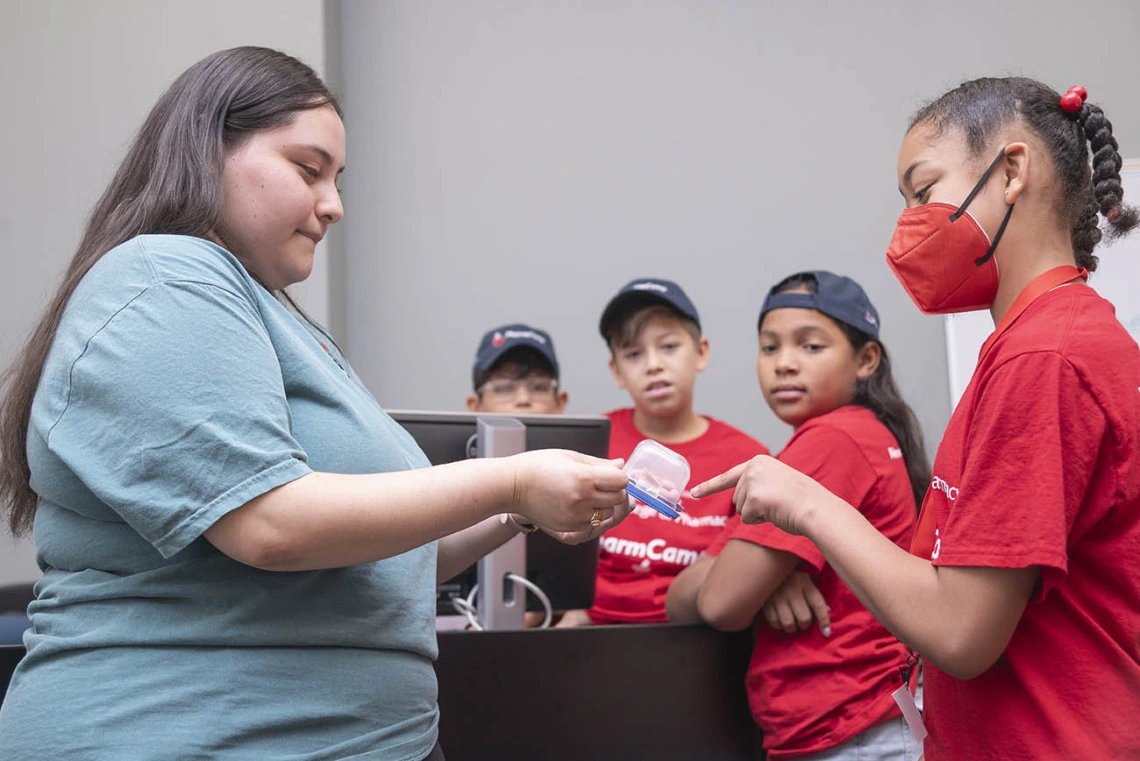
{"type": "Point", "coordinates": [1016, 170]}
{"type": "Point", "coordinates": [867, 360]}
{"type": "Point", "coordinates": [561, 400]}
{"type": "Point", "coordinates": [702, 354]}
{"type": "Point", "coordinates": [474, 403]}
{"type": "Point", "coordinates": [615, 373]}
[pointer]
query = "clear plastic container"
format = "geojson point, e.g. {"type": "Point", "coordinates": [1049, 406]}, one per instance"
{"type": "Point", "coordinates": [657, 476]}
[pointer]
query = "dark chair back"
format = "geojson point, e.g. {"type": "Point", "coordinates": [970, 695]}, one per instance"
{"type": "Point", "coordinates": [14, 598]}
{"type": "Point", "coordinates": [10, 655]}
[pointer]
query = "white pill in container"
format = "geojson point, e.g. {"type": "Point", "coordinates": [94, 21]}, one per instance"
{"type": "Point", "coordinates": [657, 476]}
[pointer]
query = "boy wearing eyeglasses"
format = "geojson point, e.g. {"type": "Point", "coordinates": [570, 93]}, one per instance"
{"type": "Point", "coordinates": [516, 371]}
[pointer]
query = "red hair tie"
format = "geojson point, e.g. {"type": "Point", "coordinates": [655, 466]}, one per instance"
{"type": "Point", "coordinates": [1112, 215]}
{"type": "Point", "coordinates": [1073, 98]}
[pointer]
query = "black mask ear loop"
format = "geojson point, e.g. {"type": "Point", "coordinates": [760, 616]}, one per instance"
{"type": "Point", "coordinates": [977, 189]}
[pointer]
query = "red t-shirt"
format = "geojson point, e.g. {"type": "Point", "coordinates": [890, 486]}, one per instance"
{"type": "Point", "coordinates": [1040, 466]}
{"type": "Point", "coordinates": [641, 556]}
{"type": "Point", "coordinates": [808, 692]}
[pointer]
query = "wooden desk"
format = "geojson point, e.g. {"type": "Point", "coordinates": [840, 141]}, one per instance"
{"type": "Point", "coordinates": [658, 692]}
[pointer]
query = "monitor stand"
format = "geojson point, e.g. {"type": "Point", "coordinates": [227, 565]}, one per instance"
{"type": "Point", "coordinates": [501, 602]}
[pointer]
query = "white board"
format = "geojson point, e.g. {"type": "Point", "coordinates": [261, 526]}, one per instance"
{"type": "Point", "coordinates": [1117, 278]}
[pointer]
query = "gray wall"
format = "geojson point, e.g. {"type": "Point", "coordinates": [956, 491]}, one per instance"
{"type": "Point", "coordinates": [520, 160]}
{"type": "Point", "coordinates": [517, 160]}
{"type": "Point", "coordinates": [78, 78]}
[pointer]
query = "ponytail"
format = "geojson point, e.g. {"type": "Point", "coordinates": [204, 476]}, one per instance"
{"type": "Point", "coordinates": [1090, 188]}
{"type": "Point", "coordinates": [880, 395]}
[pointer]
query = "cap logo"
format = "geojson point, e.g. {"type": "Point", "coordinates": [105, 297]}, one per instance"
{"type": "Point", "coordinates": [870, 318]}
{"type": "Point", "coordinates": [648, 286]}
{"type": "Point", "coordinates": [524, 335]}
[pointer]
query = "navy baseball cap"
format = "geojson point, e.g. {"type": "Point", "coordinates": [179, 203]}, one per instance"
{"type": "Point", "coordinates": [838, 297]}
{"type": "Point", "coordinates": [499, 341]}
{"type": "Point", "coordinates": [647, 291]}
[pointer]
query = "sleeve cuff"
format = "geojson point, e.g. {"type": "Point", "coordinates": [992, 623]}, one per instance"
{"type": "Point", "coordinates": [179, 537]}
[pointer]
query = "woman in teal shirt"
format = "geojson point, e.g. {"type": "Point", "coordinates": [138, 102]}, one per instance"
{"type": "Point", "coordinates": [239, 547]}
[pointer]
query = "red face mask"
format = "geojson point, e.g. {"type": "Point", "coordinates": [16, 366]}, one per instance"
{"type": "Point", "coordinates": [943, 257]}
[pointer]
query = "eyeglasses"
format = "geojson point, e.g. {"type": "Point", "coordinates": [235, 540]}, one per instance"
{"type": "Point", "coordinates": [507, 389]}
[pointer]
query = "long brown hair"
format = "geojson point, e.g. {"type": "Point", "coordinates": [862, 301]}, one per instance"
{"type": "Point", "coordinates": [169, 182]}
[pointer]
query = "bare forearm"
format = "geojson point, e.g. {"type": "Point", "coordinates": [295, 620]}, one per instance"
{"type": "Point", "coordinates": [893, 584]}
{"type": "Point", "coordinates": [958, 618]}
{"type": "Point", "coordinates": [681, 600]}
{"type": "Point", "coordinates": [326, 520]}
{"type": "Point", "coordinates": [741, 580]}
{"type": "Point", "coordinates": [459, 550]}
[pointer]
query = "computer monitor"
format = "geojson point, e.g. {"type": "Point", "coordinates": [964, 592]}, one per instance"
{"type": "Point", "coordinates": [564, 573]}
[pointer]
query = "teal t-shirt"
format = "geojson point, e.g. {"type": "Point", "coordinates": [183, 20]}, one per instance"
{"type": "Point", "coordinates": [176, 390]}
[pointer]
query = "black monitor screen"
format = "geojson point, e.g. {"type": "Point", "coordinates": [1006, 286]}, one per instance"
{"type": "Point", "coordinates": [565, 574]}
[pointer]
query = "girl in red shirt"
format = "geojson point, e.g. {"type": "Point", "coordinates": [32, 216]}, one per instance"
{"type": "Point", "coordinates": [1023, 590]}
{"type": "Point", "coordinates": [824, 694]}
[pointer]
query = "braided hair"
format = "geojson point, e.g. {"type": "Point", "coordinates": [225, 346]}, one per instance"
{"type": "Point", "coordinates": [981, 107]}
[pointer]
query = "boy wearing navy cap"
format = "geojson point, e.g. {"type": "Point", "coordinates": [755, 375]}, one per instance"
{"type": "Point", "coordinates": [657, 350]}
{"type": "Point", "coordinates": [516, 371]}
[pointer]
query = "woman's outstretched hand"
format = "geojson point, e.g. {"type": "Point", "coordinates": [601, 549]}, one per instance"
{"type": "Point", "coordinates": [569, 494]}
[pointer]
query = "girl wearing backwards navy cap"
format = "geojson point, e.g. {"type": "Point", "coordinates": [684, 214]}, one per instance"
{"type": "Point", "coordinates": [1023, 590]}
{"type": "Point", "coordinates": [824, 694]}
